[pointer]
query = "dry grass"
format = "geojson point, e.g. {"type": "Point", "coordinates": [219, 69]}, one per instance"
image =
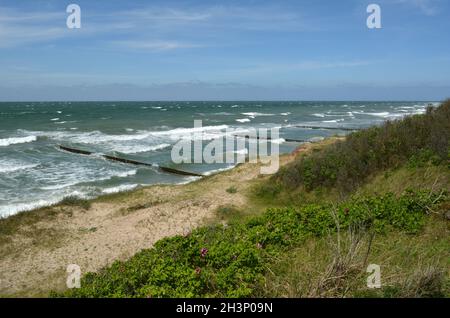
{"type": "Point", "coordinates": [411, 266]}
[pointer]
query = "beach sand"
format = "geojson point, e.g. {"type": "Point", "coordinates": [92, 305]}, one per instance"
{"type": "Point", "coordinates": [35, 255]}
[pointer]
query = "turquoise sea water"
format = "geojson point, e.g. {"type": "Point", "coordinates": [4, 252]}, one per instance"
{"type": "Point", "coordinates": [34, 172]}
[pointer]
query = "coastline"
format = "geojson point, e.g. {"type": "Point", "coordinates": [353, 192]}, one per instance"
{"type": "Point", "coordinates": [36, 246]}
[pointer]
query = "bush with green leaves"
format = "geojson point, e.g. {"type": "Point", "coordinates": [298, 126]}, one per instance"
{"type": "Point", "coordinates": [230, 261]}
{"type": "Point", "coordinates": [347, 164]}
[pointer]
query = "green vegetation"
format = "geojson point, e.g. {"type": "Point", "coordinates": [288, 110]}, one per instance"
{"type": "Point", "coordinates": [348, 164]}
{"type": "Point", "coordinates": [232, 189]}
{"type": "Point", "coordinates": [232, 261]}
{"type": "Point", "coordinates": [228, 213]}
{"type": "Point", "coordinates": [28, 224]}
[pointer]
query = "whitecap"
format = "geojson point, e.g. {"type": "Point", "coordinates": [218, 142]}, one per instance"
{"type": "Point", "coordinates": [123, 174]}
{"type": "Point", "coordinates": [208, 173]}
{"type": "Point", "coordinates": [332, 121]}
{"type": "Point", "coordinates": [17, 140]}
{"type": "Point", "coordinates": [381, 114]}
{"type": "Point", "coordinates": [255, 114]}
{"type": "Point", "coordinates": [121, 188]}
{"type": "Point", "coordinates": [129, 149]}
{"type": "Point", "coordinates": [243, 151]}
{"type": "Point", "coordinates": [5, 167]}
{"type": "Point", "coordinates": [11, 209]}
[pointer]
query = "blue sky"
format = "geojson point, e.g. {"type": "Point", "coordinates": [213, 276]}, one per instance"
{"type": "Point", "coordinates": [158, 50]}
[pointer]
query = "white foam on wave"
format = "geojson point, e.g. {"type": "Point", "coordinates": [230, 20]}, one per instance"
{"type": "Point", "coordinates": [256, 114]}
{"type": "Point", "coordinates": [189, 180]}
{"type": "Point", "coordinates": [130, 149]}
{"type": "Point", "coordinates": [208, 173]}
{"type": "Point", "coordinates": [319, 115]}
{"type": "Point", "coordinates": [380, 114]}
{"type": "Point", "coordinates": [17, 140]}
{"type": "Point", "coordinates": [11, 209]}
{"type": "Point", "coordinates": [126, 174]}
{"type": "Point", "coordinates": [277, 141]}
{"type": "Point", "coordinates": [332, 121]}
{"type": "Point", "coordinates": [97, 137]}
{"type": "Point", "coordinates": [243, 120]}
{"type": "Point", "coordinates": [243, 151]}
{"type": "Point", "coordinates": [121, 188]}
{"type": "Point", "coordinates": [183, 131]}
{"type": "Point", "coordinates": [122, 174]}
{"type": "Point", "coordinates": [8, 167]}
{"type": "Point", "coordinates": [86, 170]}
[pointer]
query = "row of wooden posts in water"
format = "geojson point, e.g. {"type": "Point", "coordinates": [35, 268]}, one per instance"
{"type": "Point", "coordinates": [181, 172]}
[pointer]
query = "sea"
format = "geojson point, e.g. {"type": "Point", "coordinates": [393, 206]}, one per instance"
{"type": "Point", "coordinates": [35, 172]}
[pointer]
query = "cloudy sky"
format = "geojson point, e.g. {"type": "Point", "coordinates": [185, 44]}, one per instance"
{"type": "Point", "coordinates": [227, 50]}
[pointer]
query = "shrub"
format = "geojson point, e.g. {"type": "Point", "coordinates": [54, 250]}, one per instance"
{"type": "Point", "coordinates": [230, 261]}
{"type": "Point", "coordinates": [231, 189]}
{"type": "Point", "coordinates": [347, 164]}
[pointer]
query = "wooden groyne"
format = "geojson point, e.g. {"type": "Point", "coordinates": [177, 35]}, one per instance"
{"type": "Point", "coordinates": [128, 161]}
{"type": "Point", "coordinates": [132, 162]}
{"type": "Point", "coordinates": [78, 151]}
{"type": "Point", "coordinates": [180, 172]}
{"type": "Point", "coordinates": [326, 128]}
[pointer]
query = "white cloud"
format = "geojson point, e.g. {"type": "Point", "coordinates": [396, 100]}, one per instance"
{"type": "Point", "coordinates": [155, 45]}
{"type": "Point", "coordinates": [182, 25]}
{"type": "Point", "coordinates": [17, 28]}
{"type": "Point", "coordinates": [166, 14]}
{"type": "Point", "coordinates": [427, 7]}
{"type": "Point", "coordinates": [296, 66]}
